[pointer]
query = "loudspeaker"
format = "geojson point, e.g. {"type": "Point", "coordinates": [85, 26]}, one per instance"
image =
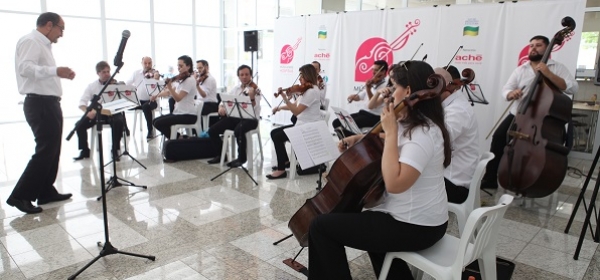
{"type": "Point", "coordinates": [251, 41]}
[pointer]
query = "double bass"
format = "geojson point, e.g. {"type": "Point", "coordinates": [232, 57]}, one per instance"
{"type": "Point", "coordinates": [534, 163]}
{"type": "Point", "coordinates": [355, 177]}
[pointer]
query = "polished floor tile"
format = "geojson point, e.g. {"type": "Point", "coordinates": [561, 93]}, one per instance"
{"type": "Point", "coordinates": [224, 228]}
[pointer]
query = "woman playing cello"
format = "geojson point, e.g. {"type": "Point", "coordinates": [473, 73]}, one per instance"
{"type": "Point", "coordinates": [412, 214]}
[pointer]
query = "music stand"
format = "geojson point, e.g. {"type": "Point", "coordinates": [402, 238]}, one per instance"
{"type": "Point", "coordinates": [346, 120]}
{"type": "Point", "coordinates": [118, 98]}
{"type": "Point", "coordinates": [473, 93]}
{"type": "Point", "coordinates": [108, 248]}
{"type": "Point", "coordinates": [237, 107]}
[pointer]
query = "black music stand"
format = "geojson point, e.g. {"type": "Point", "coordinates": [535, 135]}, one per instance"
{"type": "Point", "coordinates": [589, 209]}
{"type": "Point", "coordinates": [236, 112]}
{"type": "Point", "coordinates": [108, 248]}
{"type": "Point", "coordinates": [115, 93]}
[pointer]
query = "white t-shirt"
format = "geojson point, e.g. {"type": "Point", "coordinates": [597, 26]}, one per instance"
{"type": "Point", "coordinates": [311, 100]}
{"type": "Point", "coordinates": [209, 86]}
{"type": "Point", "coordinates": [186, 105]}
{"type": "Point", "coordinates": [363, 94]}
{"type": "Point", "coordinates": [425, 202]}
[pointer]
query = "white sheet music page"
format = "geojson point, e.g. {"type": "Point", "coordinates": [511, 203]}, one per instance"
{"type": "Point", "coordinates": [312, 144]}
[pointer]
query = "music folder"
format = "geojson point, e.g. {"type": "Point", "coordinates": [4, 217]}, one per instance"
{"type": "Point", "coordinates": [153, 86]}
{"type": "Point", "coordinates": [346, 120]}
{"type": "Point", "coordinates": [118, 98]}
{"type": "Point", "coordinates": [245, 106]}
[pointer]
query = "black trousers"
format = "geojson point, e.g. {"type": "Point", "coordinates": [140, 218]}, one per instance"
{"type": "Point", "coordinates": [499, 141]}
{"type": "Point", "coordinates": [171, 105]}
{"type": "Point", "coordinates": [116, 124]}
{"type": "Point", "coordinates": [374, 232]}
{"type": "Point", "coordinates": [44, 116]}
{"type": "Point", "coordinates": [147, 107]}
{"type": "Point", "coordinates": [456, 194]}
{"type": "Point", "coordinates": [279, 138]}
{"type": "Point", "coordinates": [239, 127]}
{"type": "Point", "coordinates": [164, 123]}
{"type": "Point", "coordinates": [362, 119]}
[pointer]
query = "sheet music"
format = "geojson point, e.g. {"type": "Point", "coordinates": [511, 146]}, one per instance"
{"type": "Point", "coordinates": [117, 106]}
{"type": "Point", "coordinates": [246, 108]}
{"type": "Point", "coordinates": [124, 92]}
{"type": "Point", "coordinates": [312, 144]}
{"type": "Point", "coordinates": [153, 86]}
{"type": "Point", "coordinates": [346, 120]}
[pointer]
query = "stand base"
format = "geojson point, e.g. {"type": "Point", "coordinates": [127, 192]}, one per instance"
{"type": "Point", "coordinates": [296, 266]}
{"type": "Point", "coordinates": [126, 153]}
{"type": "Point", "coordinates": [113, 182]}
{"type": "Point", "coordinates": [242, 167]}
{"type": "Point", "coordinates": [108, 249]}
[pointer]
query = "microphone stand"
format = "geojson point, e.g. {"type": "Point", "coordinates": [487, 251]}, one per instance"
{"type": "Point", "coordinates": [108, 248]}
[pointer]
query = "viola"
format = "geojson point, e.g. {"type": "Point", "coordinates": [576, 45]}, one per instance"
{"type": "Point", "coordinates": [355, 177]}
{"type": "Point", "coordinates": [295, 89]}
{"type": "Point", "coordinates": [534, 162]}
{"type": "Point", "coordinates": [468, 76]}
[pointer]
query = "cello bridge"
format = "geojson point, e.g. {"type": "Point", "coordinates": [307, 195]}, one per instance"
{"type": "Point", "coordinates": [519, 135]}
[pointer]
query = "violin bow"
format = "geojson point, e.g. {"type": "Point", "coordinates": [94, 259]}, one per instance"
{"type": "Point", "coordinates": [297, 77]}
{"type": "Point", "coordinates": [452, 59]}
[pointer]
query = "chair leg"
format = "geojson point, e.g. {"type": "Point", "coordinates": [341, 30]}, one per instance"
{"type": "Point", "coordinates": [224, 148]}
{"type": "Point", "coordinates": [249, 150]}
{"type": "Point", "coordinates": [461, 220]}
{"type": "Point", "coordinates": [385, 268]}
{"type": "Point", "coordinates": [293, 163]}
{"type": "Point", "coordinates": [487, 266]}
{"type": "Point", "coordinates": [135, 117]}
{"type": "Point", "coordinates": [262, 157]}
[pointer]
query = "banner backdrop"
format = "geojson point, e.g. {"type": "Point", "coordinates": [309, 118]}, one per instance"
{"type": "Point", "coordinates": [494, 39]}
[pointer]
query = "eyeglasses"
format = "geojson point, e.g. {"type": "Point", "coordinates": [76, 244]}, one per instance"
{"type": "Point", "coordinates": [62, 28]}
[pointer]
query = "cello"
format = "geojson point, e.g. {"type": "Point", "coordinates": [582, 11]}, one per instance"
{"type": "Point", "coordinates": [355, 179]}
{"type": "Point", "coordinates": [534, 162]}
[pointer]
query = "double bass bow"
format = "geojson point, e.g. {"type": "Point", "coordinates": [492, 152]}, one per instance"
{"type": "Point", "coordinates": [534, 163]}
{"type": "Point", "coordinates": [355, 179]}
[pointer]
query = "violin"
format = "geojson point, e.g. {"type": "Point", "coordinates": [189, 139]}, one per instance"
{"type": "Point", "coordinates": [468, 76]}
{"type": "Point", "coordinates": [202, 78]}
{"type": "Point", "coordinates": [321, 82]}
{"type": "Point", "coordinates": [253, 85]}
{"type": "Point", "coordinates": [297, 89]}
{"type": "Point", "coordinates": [180, 77]}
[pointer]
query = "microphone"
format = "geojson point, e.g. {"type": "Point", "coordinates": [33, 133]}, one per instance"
{"type": "Point", "coordinates": [119, 56]}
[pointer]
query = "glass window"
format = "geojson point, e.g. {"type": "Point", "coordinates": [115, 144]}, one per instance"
{"type": "Point", "coordinates": [179, 11]}
{"type": "Point", "coordinates": [229, 18]}
{"type": "Point", "coordinates": [138, 45]}
{"type": "Point", "coordinates": [22, 6]}
{"type": "Point", "coordinates": [130, 9]}
{"type": "Point", "coordinates": [230, 44]}
{"type": "Point", "coordinates": [172, 41]}
{"type": "Point", "coordinates": [81, 56]}
{"type": "Point", "coordinates": [11, 110]}
{"type": "Point", "coordinates": [208, 42]}
{"type": "Point", "coordinates": [588, 48]}
{"type": "Point", "coordinates": [266, 12]}
{"type": "Point", "coordinates": [246, 13]}
{"type": "Point", "coordinates": [90, 8]}
{"type": "Point", "coordinates": [208, 13]}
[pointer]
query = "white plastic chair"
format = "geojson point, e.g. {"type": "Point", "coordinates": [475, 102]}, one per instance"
{"type": "Point", "coordinates": [462, 211]}
{"type": "Point", "coordinates": [206, 119]}
{"type": "Point", "coordinates": [138, 113]}
{"type": "Point", "coordinates": [449, 256]}
{"type": "Point", "coordinates": [229, 146]}
{"type": "Point", "coordinates": [189, 127]}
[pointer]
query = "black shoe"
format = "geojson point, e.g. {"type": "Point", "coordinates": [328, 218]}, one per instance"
{"type": "Point", "coordinates": [83, 154]}
{"type": "Point", "coordinates": [283, 175]}
{"type": "Point", "coordinates": [214, 160]}
{"type": "Point", "coordinates": [287, 165]}
{"type": "Point", "coordinates": [57, 197]}
{"type": "Point", "coordinates": [23, 205]}
{"type": "Point", "coordinates": [236, 163]}
{"type": "Point", "coordinates": [115, 155]}
{"type": "Point", "coordinates": [127, 132]}
{"type": "Point", "coordinates": [150, 135]}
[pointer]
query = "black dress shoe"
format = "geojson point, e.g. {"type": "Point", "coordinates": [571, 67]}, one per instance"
{"type": "Point", "coordinates": [127, 131]}
{"type": "Point", "coordinates": [283, 175]}
{"type": "Point", "coordinates": [115, 155]}
{"type": "Point", "coordinates": [214, 160]}
{"type": "Point", "coordinates": [83, 154]}
{"type": "Point", "coordinates": [287, 165]}
{"type": "Point", "coordinates": [150, 135]}
{"type": "Point", "coordinates": [235, 163]}
{"type": "Point", "coordinates": [23, 205]}
{"type": "Point", "coordinates": [57, 197]}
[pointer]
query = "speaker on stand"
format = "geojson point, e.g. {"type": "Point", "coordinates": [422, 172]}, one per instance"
{"type": "Point", "coordinates": [251, 45]}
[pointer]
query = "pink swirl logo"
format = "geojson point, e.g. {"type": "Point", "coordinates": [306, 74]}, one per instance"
{"type": "Point", "coordinates": [376, 48]}
{"type": "Point", "coordinates": [287, 52]}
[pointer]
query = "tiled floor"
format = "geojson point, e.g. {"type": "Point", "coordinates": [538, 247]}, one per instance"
{"type": "Point", "coordinates": [224, 229]}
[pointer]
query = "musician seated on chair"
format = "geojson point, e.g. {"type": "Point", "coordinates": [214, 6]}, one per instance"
{"type": "Point", "coordinates": [206, 85]}
{"type": "Point", "coordinates": [306, 108]}
{"type": "Point", "coordinates": [137, 79]}
{"type": "Point", "coordinates": [239, 126]}
{"type": "Point", "coordinates": [516, 88]}
{"type": "Point", "coordinates": [412, 213]}
{"type": "Point", "coordinates": [464, 137]}
{"type": "Point", "coordinates": [321, 83]}
{"type": "Point", "coordinates": [185, 107]}
{"type": "Point", "coordinates": [367, 117]}
{"type": "Point", "coordinates": [116, 121]}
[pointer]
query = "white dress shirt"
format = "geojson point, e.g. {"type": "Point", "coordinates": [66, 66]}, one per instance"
{"type": "Point", "coordinates": [238, 90]}
{"type": "Point", "coordinates": [138, 80]}
{"type": "Point", "coordinates": [363, 94]}
{"type": "Point", "coordinates": [209, 86]}
{"type": "Point", "coordinates": [524, 75]}
{"type": "Point", "coordinates": [464, 139]}
{"type": "Point", "coordinates": [91, 90]}
{"type": "Point", "coordinates": [35, 66]}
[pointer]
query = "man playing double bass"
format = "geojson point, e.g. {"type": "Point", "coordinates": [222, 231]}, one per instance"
{"type": "Point", "coordinates": [515, 89]}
